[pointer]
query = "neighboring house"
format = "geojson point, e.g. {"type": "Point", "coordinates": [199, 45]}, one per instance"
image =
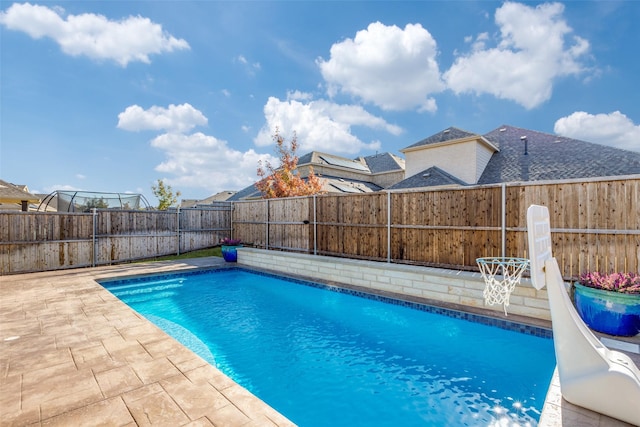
{"type": "Point", "coordinates": [218, 197]}
{"type": "Point", "coordinates": [342, 175]}
{"type": "Point", "coordinates": [16, 197]}
{"type": "Point", "coordinates": [455, 157]}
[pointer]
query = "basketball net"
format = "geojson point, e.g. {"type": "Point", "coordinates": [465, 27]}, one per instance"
{"type": "Point", "coordinates": [501, 275]}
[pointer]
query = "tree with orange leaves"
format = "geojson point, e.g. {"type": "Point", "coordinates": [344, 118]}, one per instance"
{"type": "Point", "coordinates": [285, 180]}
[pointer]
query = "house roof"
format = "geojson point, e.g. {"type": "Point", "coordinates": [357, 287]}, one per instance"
{"type": "Point", "coordinates": [318, 158]}
{"type": "Point", "coordinates": [331, 184]}
{"type": "Point", "coordinates": [376, 163]}
{"type": "Point", "coordinates": [431, 177]}
{"type": "Point", "coordinates": [365, 166]}
{"type": "Point", "coordinates": [218, 197]}
{"type": "Point", "coordinates": [383, 162]}
{"type": "Point", "coordinates": [449, 134]}
{"type": "Point", "coordinates": [552, 157]}
{"type": "Point", "coordinates": [11, 193]}
{"type": "Point", "coordinates": [343, 185]}
{"type": "Point", "coordinates": [250, 192]}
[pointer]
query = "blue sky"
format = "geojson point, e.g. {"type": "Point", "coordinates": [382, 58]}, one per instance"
{"type": "Point", "coordinates": [114, 95]}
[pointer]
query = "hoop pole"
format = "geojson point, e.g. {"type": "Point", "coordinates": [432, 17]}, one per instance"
{"type": "Point", "coordinates": [504, 220]}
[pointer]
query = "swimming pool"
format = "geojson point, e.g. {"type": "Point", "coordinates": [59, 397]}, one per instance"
{"type": "Point", "coordinates": [330, 358]}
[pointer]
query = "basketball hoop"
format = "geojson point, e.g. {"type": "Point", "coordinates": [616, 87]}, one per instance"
{"type": "Point", "coordinates": [501, 275]}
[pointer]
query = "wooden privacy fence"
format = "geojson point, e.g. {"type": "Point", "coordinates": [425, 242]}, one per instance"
{"type": "Point", "coordinates": [595, 224]}
{"type": "Point", "coordinates": [49, 241]}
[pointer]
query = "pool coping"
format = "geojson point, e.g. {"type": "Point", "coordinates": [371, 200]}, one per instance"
{"type": "Point", "coordinates": [72, 352]}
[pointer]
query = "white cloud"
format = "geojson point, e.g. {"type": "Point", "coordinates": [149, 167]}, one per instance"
{"type": "Point", "coordinates": [614, 129]}
{"type": "Point", "coordinates": [58, 187]}
{"type": "Point", "coordinates": [128, 40]}
{"type": "Point", "coordinates": [299, 96]}
{"type": "Point", "coordinates": [250, 67]}
{"type": "Point", "coordinates": [203, 161]}
{"type": "Point", "coordinates": [532, 52]}
{"type": "Point", "coordinates": [480, 42]}
{"type": "Point", "coordinates": [175, 118]}
{"type": "Point", "coordinates": [321, 125]}
{"type": "Point", "coordinates": [193, 160]}
{"type": "Point", "coordinates": [392, 68]}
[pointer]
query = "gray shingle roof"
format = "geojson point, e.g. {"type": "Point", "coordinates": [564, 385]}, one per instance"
{"type": "Point", "coordinates": [307, 158]}
{"type": "Point", "coordinates": [249, 192]}
{"type": "Point", "coordinates": [552, 157]}
{"type": "Point", "coordinates": [431, 177]}
{"type": "Point", "coordinates": [384, 162]}
{"type": "Point", "coordinates": [448, 134]}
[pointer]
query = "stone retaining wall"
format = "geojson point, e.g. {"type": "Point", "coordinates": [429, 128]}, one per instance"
{"type": "Point", "coordinates": [447, 286]}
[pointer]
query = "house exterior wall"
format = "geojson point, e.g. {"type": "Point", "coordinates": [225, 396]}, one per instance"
{"type": "Point", "coordinates": [459, 159]}
{"type": "Point", "coordinates": [385, 180]}
{"type": "Point", "coordinates": [445, 286]}
{"type": "Point", "coordinates": [483, 155]}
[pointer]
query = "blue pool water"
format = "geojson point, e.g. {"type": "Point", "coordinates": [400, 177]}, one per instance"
{"type": "Point", "coordinates": [326, 358]}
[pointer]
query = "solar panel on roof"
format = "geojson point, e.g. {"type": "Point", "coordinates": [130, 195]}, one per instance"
{"type": "Point", "coordinates": [345, 163]}
{"type": "Point", "coordinates": [346, 188]}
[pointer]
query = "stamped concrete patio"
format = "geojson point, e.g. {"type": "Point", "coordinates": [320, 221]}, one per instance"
{"type": "Point", "coordinates": [73, 354]}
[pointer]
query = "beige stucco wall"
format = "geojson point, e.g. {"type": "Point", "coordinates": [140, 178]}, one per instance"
{"type": "Point", "coordinates": [385, 180]}
{"type": "Point", "coordinates": [465, 160]}
{"type": "Point", "coordinates": [447, 286]}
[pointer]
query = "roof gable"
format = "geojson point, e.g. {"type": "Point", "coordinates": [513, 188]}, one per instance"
{"type": "Point", "coordinates": [431, 177]}
{"type": "Point", "coordinates": [449, 134]}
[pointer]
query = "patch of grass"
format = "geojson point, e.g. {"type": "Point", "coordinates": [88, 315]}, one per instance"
{"type": "Point", "coordinates": [217, 251]}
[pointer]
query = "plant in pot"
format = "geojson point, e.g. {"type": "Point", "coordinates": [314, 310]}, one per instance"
{"type": "Point", "coordinates": [229, 247]}
{"type": "Point", "coordinates": [609, 303]}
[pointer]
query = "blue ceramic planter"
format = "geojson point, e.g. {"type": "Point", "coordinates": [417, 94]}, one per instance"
{"type": "Point", "coordinates": [229, 253]}
{"type": "Point", "coordinates": [612, 313]}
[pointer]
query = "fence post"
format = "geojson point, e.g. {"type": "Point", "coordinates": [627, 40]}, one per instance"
{"type": "Point", "coordinates": [315, 226]}
{"type": "Point", "coordinates": [388, 226]}
{"type": "Point", "coordinates": [504, 219]}
{"type": "Point", "coordinates": [266, 241]}
{"type": "Point", "coordinates": [178, 229]}
{"type": "Point", "coordinates": [232, 206]}
{"type": "Point", "coordinates": [93, 237]}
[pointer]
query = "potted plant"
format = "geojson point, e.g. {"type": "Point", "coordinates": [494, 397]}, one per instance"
{"type": "Point", "coordinates": [609, 303]}
{"type": "Point", "coordinates": [229, 247]}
